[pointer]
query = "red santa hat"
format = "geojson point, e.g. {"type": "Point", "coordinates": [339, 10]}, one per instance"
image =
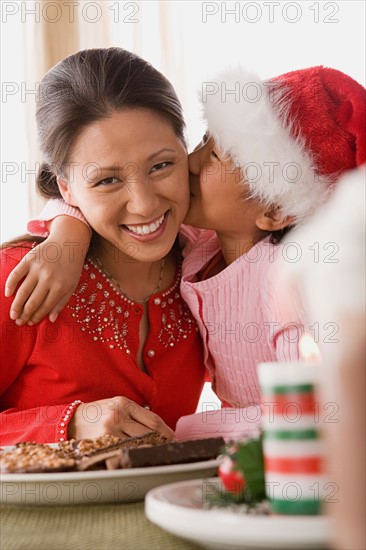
{"type": "Point", "coordinates": [293, 135]}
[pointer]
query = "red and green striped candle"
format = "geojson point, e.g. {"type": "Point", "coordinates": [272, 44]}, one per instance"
{"type": "Point", "coordinates": [292, 444]}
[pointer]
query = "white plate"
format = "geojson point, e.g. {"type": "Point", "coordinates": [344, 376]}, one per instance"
{"type": "Point", "coordinates": [178, 508]}
{"type": "Point", "coordinates": [93, 487]}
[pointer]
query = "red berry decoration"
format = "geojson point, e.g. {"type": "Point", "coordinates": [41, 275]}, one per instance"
{"type": "Point", "coordinates": [242, 471]}
{"type": "Point", "coordinates": [232, 479]}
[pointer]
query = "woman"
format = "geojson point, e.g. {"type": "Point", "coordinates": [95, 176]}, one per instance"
{"type": "Point", "coordinates": [125, 355]}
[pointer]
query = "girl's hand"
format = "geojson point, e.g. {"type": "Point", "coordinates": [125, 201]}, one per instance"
{"type": "Point", "coordinates": [117, 416]}
{"type": "Point", "coordinates": [51, 272]}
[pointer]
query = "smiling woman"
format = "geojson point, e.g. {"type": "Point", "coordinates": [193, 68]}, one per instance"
{"type": "Point", "coordinates": [125, 355]}
{"type": "Point", "coordinates": [136, 192]}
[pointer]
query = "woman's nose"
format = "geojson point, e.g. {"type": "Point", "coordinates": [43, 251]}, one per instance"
{"type": "Point", "coordinates": [142, 199]}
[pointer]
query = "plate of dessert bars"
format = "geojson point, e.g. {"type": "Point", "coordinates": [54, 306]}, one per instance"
{"type": "Point", "coordinates": [104, 469]}
{"type": "Point", "coordinates": [237, 526]}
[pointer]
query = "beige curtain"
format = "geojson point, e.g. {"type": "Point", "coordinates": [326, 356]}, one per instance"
{"type": "Point", "coordinates": [154, 31]}
{"type": "Point", "coordinates": [57, 39]}
{"type": "Point", "coordinates": [171, 15]}
{"type": "Point", "coordinates": [62, 28]}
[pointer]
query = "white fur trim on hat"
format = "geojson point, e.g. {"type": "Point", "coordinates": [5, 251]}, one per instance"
{"type": "Point", "coordinates": [249, 120]}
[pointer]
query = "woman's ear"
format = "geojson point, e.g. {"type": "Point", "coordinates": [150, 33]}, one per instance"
{"type": "Point", "coordinates": [65, 192]}
{"type": "Point", "coordinates": [273, 219]}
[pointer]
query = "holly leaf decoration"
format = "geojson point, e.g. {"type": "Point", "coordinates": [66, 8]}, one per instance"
{"type": "Point", "coordinates": [242, 477]}
{"type": "Point", "coordinates": [248, 459]}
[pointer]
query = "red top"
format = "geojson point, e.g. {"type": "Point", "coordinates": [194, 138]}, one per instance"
{"type": "Point", "coordinates": [89, 353]}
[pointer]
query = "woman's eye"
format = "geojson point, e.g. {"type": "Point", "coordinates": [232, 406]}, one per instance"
{"type": "Point", "coordinates": [160, 166]}
{"type": "Point", "coordinates": [108, 181]}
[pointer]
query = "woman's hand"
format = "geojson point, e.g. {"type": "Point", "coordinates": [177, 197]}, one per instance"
{"type": "Point", "coordinates": [117, 416]}
{"type": "Point", "coordinates": [51, 272]}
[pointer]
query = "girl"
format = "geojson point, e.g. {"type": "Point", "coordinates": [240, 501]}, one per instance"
{"type": "Point", "coordinates": [125, 356]}
{"type": "Point", "coordinates": [272, 153]}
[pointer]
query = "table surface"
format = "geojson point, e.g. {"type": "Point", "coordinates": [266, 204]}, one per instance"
{"type": "Point", "coordinates": [93, 526]}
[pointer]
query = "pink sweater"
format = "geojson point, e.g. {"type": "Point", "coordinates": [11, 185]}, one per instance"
{"type": "Point", "coordinates": [239, 316]}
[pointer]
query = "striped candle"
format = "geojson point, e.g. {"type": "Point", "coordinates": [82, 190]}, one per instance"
{"type": "Point", "coordinates": [292, 445]}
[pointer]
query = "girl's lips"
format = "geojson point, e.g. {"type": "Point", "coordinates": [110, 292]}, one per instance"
{"type": "Point", "coordinates": [149, 236]}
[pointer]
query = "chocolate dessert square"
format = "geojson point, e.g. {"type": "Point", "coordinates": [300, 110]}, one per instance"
{"type": "Point", "coordinates": [172, 453]}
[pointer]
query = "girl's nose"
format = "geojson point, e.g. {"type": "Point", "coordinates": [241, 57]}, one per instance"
{"type": "Point", "coordinates": [194, 162]}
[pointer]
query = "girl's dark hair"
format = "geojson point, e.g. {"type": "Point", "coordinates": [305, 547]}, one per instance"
{"type": "Point", "coordinates": [88, 86]}
{"type": "Point", "coordinates": [277, 236]}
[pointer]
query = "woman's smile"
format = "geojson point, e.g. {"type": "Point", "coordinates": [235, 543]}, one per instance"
{"type": "Point", "coordinates": [149, 230]}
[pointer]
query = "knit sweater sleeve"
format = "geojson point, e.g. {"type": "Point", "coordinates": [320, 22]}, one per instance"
{"type": "Point", "coordinates": [188, 236]}
{"type": "Point", "coordinates": [231, 423]}
{"type": "Point", "coordinates": [52, 209]}
{"type": "Point", "coordinates": [285, 325]}
{"type": "Point", "coordinates": [17, 421]}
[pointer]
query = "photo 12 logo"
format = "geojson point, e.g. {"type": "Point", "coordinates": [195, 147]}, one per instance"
{"type": "Point", "coordinates": [269, 12]}
{"type": "Point", "coordinates": [52, 12]}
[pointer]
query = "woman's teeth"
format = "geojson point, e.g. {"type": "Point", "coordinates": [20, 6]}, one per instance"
{"type": "Point", "coordinates": [146, 229]}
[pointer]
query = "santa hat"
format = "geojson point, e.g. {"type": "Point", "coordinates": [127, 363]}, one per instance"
{"type": "Point", "coordinates": [293, 136]}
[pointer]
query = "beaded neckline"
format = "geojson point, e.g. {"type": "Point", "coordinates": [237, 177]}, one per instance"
{"type": "Point", "coordinates": [133, 300]}
{"type": "Point", "coordinates": [108, 316]}
{"type": "Point", "coordinates": [162, 294]}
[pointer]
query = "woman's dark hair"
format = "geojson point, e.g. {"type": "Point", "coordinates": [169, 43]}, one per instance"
{"type": "Point", "coordinates": [88, 86]}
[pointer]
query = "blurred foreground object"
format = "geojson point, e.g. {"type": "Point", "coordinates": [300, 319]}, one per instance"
{"type": "Point", "coordinates": [330, 278]}
{"type": "Point", "coordinates": [293, 446]}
